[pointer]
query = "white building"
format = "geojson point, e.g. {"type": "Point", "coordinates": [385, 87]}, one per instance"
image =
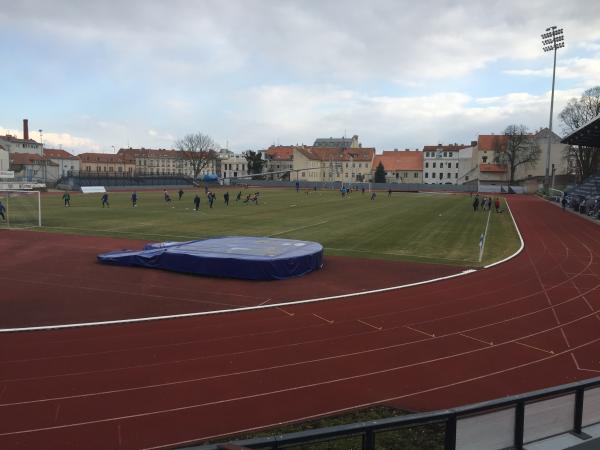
{"type": "Point", "coordinates": [234, 166]}
{"type": "Point", "coordinates": [468, 165]}
{"type": "Point", "coordinates": [66, 162]}
{"type": "Point", "coordinates": [441, 163]}
{"type": "Point", "coordinates": [15, 145]}
{"type": "Point", "coordinates": [4, 161]}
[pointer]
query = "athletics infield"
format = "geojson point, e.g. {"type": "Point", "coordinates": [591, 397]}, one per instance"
{"type": "Point", "coordinates": [528, 323]}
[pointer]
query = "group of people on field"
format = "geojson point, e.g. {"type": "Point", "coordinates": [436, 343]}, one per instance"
{"type": "Point", "coordinates": [485, 204]}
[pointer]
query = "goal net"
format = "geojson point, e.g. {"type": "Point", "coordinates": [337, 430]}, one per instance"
{"type": "Point", "coordinates": [22, 209]}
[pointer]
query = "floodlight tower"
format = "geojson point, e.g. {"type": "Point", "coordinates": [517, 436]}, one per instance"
{"type": "Point", "coordinates": [552, 40]}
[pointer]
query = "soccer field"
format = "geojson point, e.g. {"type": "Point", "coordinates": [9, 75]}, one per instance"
{"type": "Point", "coordinates": [435, 228]}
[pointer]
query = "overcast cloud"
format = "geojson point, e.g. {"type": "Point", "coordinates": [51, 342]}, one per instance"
{"type": "Point", "coordinates": [251, 73]}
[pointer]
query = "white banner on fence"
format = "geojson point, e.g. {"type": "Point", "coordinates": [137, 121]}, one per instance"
{"type": "Point", "coordinates": [92, 189]}
{"type": "Point", "coordinates": [7, 174]}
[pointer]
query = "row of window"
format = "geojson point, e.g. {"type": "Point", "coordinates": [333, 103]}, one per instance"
{"type": "Point", "coordinates": [432, 154]}
{"type": "Point", "coordinates": [449, 165]}
{"type": "Point", "coordinates": [441, 175]}
{"type": "Point", "coordinates": [404, 175]}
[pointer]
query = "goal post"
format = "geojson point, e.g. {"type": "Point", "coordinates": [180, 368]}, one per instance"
{"type": "Point", "coordinates": [23, 209]}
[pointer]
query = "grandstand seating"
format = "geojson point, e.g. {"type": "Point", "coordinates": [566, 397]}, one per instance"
{"type": "Point", "coordinates": [590, 187]}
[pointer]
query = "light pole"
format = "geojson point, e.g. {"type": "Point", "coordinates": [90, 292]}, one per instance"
{"type": "Point", "coordinates": [552, 40]}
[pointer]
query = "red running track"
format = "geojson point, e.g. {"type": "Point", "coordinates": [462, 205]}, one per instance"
{"type": "Point", "coordinates": [530, 323]}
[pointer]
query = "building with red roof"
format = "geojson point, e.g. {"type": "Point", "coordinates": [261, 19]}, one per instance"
{"type": "Point", "coordinates": [400, 166]}
{"type": "Point", "coordinates": [67, 163]}
{"type": "Point", "coordinates": [33, 167]}
{"type": "Point", "coordinates": [279, 158]}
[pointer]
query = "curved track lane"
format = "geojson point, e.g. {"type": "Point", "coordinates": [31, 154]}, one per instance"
{"type": "Point", "coordinates": [530, 323]}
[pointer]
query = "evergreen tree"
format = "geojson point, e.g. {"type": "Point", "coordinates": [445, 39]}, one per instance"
{"type": "Point", "coordinates": [380, 173]}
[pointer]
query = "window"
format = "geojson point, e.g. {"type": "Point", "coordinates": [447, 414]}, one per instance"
{"type": "Point", "coordinates": [484, 159]}
{"type": "Point", "coordinates": [467, 178]}
{"type": "Point", "coordinates": [450, 154]}
{"type": "Point", "coordinates": [449, 165]}
{"type": "Point", "coordinates": [445, 154]}
{"type": "Point", "coordinates": [416, 175]}
{"type": "Point", "coordinates": [427, 165]}
{"type": "Point", "coordinates": [434, 165]}
{"type": "Point", "coordinates": [457, 165]}
{"type": "Point", "coordinates": [441, 175]}
{"type": "Point", "coordinates": [455, 175]}
{"type": "Point", "coordinates": [426, 174]}
{"type": "Point", "coordinates": [405, 175]}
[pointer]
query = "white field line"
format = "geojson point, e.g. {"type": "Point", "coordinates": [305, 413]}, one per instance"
{"type": "Point", "coordinates": [299, 228]}
{"type": "Point", "coordinates": [487, 224]}
{"type": "Point", "coordinates": [274, 305]}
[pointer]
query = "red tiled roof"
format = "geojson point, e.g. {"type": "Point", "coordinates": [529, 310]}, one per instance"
{"type": "Point", "coordinates": [104, 158]}
{"type": "Point", "coordinates": [280, 152]}
{"type": "Point", "coordinates": [58, 154]}
{"type": "Point", "coordinates": [394, 161]}
{"type": "Point", "coordinates": [491, 142]}
{"type": "Point", "coordinates": [148, 152]}
{"type": "Point", "coordinates": [28, 159]}
{"type": "Point", "coordinates": [11, 138]}
{"type": "Point", "coordinates": [337, 154]}
{"type": "Point", "coordinates": [501, 168]}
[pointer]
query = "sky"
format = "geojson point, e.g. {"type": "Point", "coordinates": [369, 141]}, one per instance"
{"type": "Point", "coordinates": [98, 76]}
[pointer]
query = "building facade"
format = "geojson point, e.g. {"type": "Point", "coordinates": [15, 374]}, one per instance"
{"type": "Point", "coordinates": [441, 163]}
{"type": "Point", "coordinates": [279, 158]}
{"type": "Point", "coordinates": [4, 160]}
{"type": "Point", "coordinates": [96, 164]}
{"type": "Point", "coordinates": [26, 145]}
{"type": "Point", "coordinates": [400, 166]}
{"type": "Point", "coordinates": [66, 162]}
{"type": "Point", "coordinates": [34, 168]}
{"type": "Point", "coordinates": [333, 164]}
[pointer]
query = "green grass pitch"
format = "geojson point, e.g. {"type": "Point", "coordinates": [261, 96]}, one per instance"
{"type": "Point", "coordinates": [434, 228]}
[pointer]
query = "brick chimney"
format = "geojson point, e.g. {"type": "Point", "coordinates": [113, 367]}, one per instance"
{"type": "Point", "coordinates": [25, 129]}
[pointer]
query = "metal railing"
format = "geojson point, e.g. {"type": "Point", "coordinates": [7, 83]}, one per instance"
{"type": "Point", "coordinates": [367, 431]}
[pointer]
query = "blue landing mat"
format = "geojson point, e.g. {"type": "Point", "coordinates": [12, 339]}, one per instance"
{"type": "Point", "coordinates": [244, 257]}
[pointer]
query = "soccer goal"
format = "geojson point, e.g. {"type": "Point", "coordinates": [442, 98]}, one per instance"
{"type": "Point", "coordinates": [23, 209]}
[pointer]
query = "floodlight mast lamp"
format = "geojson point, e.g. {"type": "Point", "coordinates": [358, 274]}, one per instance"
{"type": "Point", "coordinates": [552, 40]}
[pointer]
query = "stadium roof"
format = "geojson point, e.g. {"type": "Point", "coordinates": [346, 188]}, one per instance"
{"type": "Point", "coordinates": [587, 135]}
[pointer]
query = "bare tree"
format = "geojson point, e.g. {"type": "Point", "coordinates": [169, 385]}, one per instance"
{"type": "Point", "coordinates": [518, 149]}
{"type": "Point", "coordinates": [577, 113]}
{"type": "Point", "coordinates": [198, 149]}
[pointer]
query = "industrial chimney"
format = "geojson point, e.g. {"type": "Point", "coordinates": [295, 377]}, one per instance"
{"type": "Point", "coordinates": [25, 129]}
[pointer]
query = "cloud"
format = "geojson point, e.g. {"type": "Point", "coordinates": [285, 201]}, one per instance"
{"type": "Point", "coordinates": [355, 40]}
{"type": "Point", "coordinates": [58, 140]}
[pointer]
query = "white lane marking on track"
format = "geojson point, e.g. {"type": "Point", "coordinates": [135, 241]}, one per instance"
{"type": "Point", "coordinates": [476, 339]}
{"type": "Point", "coordinates": [369, 325]}
{"type": "Point", "coordinates": [550, 352]}
{"type": "Point", "coordinates": [419, 331]}
{"type": "Point", "coordinates": [581, 368]}
{"type": "Point", "coordinates": [313, 385]}
{"type": "Point", "coordinates": [233, 310]}
{"type": "Point", "coordinates": [323, 318]}
{"type": "Point", "coordinates": [289, 365]}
